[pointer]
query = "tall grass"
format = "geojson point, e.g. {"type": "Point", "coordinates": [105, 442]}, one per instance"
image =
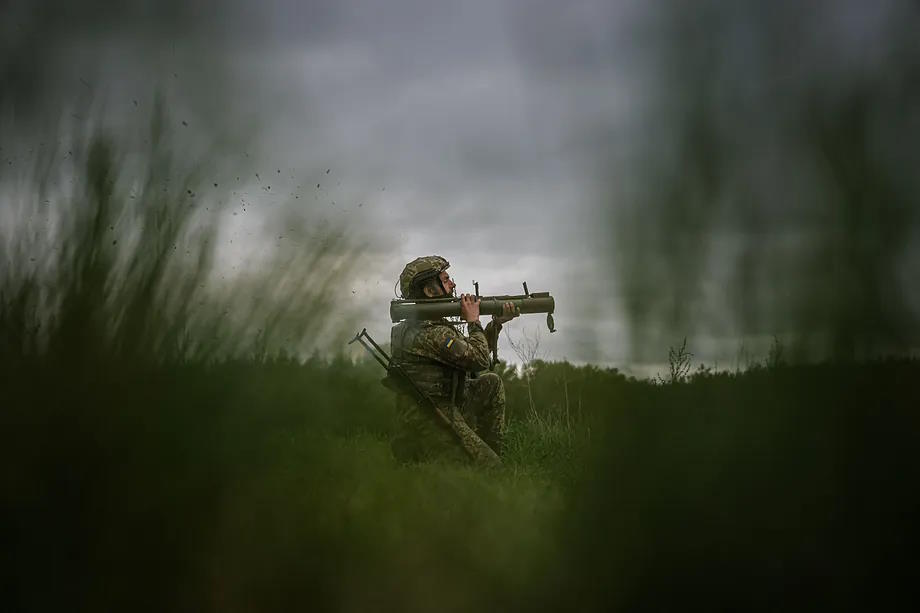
{"type": "Point", "coordinates": [127, 263]}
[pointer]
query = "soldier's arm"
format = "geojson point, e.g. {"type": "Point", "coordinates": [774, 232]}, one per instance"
{"type": "Point", "coordinates": [470, 353]}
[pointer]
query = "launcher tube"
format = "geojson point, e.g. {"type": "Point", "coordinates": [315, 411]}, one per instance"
{"type": "Point", "coordinates": [450, 307]}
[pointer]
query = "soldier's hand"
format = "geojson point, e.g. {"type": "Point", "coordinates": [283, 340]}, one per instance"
{"type": "Point", "coordinates": [509, 312]}
{"type": "Point", "coordinates": [469, 308]}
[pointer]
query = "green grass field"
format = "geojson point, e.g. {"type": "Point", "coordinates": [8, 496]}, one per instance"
{"type": "Point", "coordinates": [255, 485]}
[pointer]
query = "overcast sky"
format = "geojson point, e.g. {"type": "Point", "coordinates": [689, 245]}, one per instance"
{"type": "Point", "coordinates": [460, 128]}
{"type": "Point", "coordinates": [492, 133]}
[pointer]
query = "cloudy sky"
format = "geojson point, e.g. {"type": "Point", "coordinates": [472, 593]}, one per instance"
{"type": "Point", "coordinates": [497, 134]}
{"type": "Point", "coordinates": [460, 129]}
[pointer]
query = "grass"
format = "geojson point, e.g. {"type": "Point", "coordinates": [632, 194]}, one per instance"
{"type": "Point", "coordinates": [227, 495]}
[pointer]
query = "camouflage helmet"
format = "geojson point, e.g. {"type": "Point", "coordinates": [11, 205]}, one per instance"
{"type": "Point", "coordinates": [420, 270]}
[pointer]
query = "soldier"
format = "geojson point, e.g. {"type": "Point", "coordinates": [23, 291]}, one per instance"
{"type": "Point", "coordinates": [448, 367]}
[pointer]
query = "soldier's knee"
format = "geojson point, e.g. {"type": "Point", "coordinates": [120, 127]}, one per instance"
{"type": "Point", "coordinates": [494, 384]}
{"type": "Point", "coordinates": [490, 379]}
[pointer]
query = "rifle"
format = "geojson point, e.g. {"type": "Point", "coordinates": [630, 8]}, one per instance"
{"type": "Point", "coordinates": [398, 381]}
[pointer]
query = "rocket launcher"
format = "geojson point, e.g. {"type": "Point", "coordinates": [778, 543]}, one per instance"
{"type": "Point", "coordinates": [436, 308]}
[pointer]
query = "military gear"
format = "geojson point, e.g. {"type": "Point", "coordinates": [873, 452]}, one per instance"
{"type": "Point", "coordinates": [420, 270]}
{"type": "Point", "coordinates": [437, 308]}
{"type": "Point", "coordinates": [438, 358]}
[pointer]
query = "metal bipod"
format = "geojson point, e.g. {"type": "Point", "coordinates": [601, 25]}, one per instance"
{"type": "Point", "coordinates": [360, 336]}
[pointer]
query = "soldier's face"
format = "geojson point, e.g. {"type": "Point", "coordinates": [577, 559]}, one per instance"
{"type": "Point", "coordinates": [434, 291]}
{"type": "Point", "coordinates": [448, 283]}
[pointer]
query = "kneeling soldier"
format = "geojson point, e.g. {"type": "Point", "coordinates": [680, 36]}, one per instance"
{"type": "Point", "coordinates": [447, 367]}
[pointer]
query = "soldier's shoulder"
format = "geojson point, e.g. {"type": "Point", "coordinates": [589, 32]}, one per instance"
{"type": "Point", "coordinates": [437, 330]}
{"type": "Point", "coordinates": [439, 325]}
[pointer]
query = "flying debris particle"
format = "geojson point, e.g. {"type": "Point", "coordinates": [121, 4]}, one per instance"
{"type": "Point", "coordinates": [257, 177]}
{"type": "Point", "coordinates": [215, 185]}
{"type": "Point", "coordinates": [268, 187]}
{"type": "Point", "coordinates": [352, 291]}
{"type": "Point", "coordinates": [327, 170]}
{"type": "Point", "coordinates": [360, 204]}
{"type": "Point", "coordinates": [317, 186]}
{"type": "Point", "coordinates": [184, 123]}
{"type": "Point", "coordinates": [115, 242]}
{"type": "Point", "coordinates": [189, 192]}
{"type": "Point", "coordinates": [135, 102]}
{"type": "Point", "coordinates": [279, 171]}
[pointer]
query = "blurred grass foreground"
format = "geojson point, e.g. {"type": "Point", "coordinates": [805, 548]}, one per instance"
{"type": "Point", "coordinates": [165, 446]}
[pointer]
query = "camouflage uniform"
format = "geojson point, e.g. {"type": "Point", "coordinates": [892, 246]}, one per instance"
{"type": "Point", "coordinates": [440, 360]}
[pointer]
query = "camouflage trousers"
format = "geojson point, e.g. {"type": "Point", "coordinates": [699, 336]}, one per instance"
{"type": "Point", "coordinates": [477, 426]}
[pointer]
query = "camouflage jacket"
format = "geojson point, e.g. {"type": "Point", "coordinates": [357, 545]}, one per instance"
{"type": "Point", "coordinates": [432, 353]}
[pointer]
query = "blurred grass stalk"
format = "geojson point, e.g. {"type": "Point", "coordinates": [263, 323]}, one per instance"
{"type": "Point", "coordinates": [111, 251]}
{"type": "Point", "coordinates": [772, 190]}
